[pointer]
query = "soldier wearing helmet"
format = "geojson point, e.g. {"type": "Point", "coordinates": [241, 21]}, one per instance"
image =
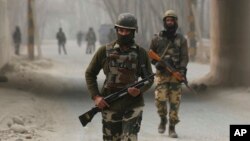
{"type": "Point", "coordinates": [172, 48]}
{"type": "Point", "coordinates": [122, 62]}
{"type": "Point", "coordinates": [91, 39]}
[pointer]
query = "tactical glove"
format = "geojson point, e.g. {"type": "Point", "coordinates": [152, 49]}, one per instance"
{"type": "Point", "coordinates": [183, 72]}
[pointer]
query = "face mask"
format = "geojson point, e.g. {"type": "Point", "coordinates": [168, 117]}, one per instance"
{"type": "Point", "coordinates": [125, 39]}
{"type": "Point", "coordinates": [170, 31]}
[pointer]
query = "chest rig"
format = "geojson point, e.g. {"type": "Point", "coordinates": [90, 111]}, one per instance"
{"type": "Point", "coordinates": [122, 66]}
{"type": "Point", "coordinates": [171, 50]}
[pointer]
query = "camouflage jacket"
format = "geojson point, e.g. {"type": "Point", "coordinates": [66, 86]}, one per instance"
{"type": "Point", "coordinates": [177, 53]}
{"type": "Point", "coordinates": [100, 61]}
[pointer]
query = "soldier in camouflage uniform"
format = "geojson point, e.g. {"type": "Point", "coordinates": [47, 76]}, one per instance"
{"type": "Point", "coordinates": [171, 47]}
{"type": "Point", "coordinates": [123, 62]}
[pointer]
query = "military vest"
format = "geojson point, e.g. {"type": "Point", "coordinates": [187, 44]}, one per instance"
{"type": "Point", "coordinates": [172, 55]}
{"type": "Point", "coordinates": [122, 66]}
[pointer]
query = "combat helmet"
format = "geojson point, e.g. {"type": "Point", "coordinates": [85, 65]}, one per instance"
{"type": "Point", "coordinates": [170, 13]}
{"type": "Point", "coordinates": [127, 20]}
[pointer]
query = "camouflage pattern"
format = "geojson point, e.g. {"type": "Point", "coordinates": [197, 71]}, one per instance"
{"type": "Point", "coordinates": [168, 88]}
{"type": "Point", "coordinates": [121, 121]}
{"type": "Point", "coordinates": [177, 50]}
{"type": "Point", "coordinates": [121, 125]}
{"type": "Point", "coordinates": [122, 65]}
{"type": "Point", "coordinates": [100, 61]}
{"type": "Point", "coordinates": [170, 92]}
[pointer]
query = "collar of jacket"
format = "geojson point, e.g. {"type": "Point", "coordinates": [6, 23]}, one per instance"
{"type": "Point", "coordinates": [116, 46]}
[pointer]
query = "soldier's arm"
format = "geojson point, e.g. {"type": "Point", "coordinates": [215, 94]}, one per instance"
{"type": "Point", "coordinates": [147, 71]}
{"type": "Point", "coordinates": [153, 46]}
{"type": "Point", "coordinates": [93, 70]}
{"type": "Point", "coordinates": [184, 54]}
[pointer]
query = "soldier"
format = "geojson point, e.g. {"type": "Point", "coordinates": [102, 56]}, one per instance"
{"type": "Point", "coordinates": [79, 38]}
{"type": "Point", "coordinates": [172, 47]}
{"type": "Point", "coordinates": [123, 62]}
{"type": "Point", "coordinates": [61, 38]}
{"type": "Point", "coordinates": [17, 39]}
{"type": "Point", "coordinates": [91, 39]}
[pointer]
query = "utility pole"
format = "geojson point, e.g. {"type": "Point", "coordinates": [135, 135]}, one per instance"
{"type": "Point", "coordinates": [31, 30]}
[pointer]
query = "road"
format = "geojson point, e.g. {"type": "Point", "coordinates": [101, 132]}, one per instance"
{"type": "Point", "coordinates": [52, 93]}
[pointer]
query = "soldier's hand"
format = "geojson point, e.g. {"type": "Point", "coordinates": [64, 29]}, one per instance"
{"type": "Point", "coordinates": [183, 73]}
{"type": "Point", "coordinates": [134, 91]}
{"type": "Point", "coordinates": [158, 66]}
{"type": "Point", "coordinates": [100, 102]}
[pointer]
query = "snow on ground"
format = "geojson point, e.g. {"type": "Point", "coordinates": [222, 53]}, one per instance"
{"type": "Point", "coordinates": [43, 99]}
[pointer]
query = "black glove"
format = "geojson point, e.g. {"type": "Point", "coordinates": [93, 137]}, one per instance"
{"type": "Point", "coordinates": [159, 67]}
{"type": "Point", "coordinates": [153, 61]}
{"type": "Point", "coordinates": [183, 72]}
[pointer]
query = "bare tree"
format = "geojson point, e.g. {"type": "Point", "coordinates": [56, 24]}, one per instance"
{"type": "Point", "coordinates": [230, 47]}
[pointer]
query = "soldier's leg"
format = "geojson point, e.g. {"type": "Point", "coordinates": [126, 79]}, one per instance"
{"type": "Point", "coordinates": [161, 98]}
{"type": "Point", "coordinates": [174, 101]}
{"type": "Point", "coordinates": [112, 125]}
{"type": "Point", "coordinates": [18, 49]}
{"type": "Point", "coordinates": [93, 47]}
{"type": "Point", "coordinates": [87, 49]}
{"type": "Point", "coordinates": [64, 49]}
{"type": "Point", "coordinates": [59, 48]}
{"type": "Point", "coordinates": [131, 124]}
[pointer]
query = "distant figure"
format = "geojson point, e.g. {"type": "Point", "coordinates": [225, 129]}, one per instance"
{"type": "Point", "coordinates": [61, 38]}
{"type": "Point", "coordinates": [91, 39]}
{"type": "Point", "coordinates": [17, 39]}
{"type": "Point", "coordinates": [112, 35]}
{"type": "Point", "coordinates": [79, 38]}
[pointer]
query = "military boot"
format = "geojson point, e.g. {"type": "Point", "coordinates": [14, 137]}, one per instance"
{"type": "Point", "coordinates": [162, 125]}
{"type": "Point", "coordinates": [171, 131]}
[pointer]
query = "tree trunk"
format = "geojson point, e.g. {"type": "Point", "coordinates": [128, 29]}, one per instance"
{"type": "Point", "coordinates": [31, 30]}
{"type": "Point", "coordinates": [230, 58]}
{"type": "Point", "coordinates": [5, 51]}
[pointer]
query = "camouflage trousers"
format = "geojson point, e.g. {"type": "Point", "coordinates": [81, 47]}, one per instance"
{"type": "Point", "coordinates": [171, 93]}
{"type": "Point", "coordinates": [122, 125]}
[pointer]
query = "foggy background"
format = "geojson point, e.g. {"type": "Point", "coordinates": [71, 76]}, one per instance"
{"type": "Point", "coordinates": [75, 15]}
{"type": "Point", "coordinates": [45, 95]}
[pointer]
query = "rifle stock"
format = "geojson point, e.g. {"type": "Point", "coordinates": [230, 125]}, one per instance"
{"type": "Point", "coordinates": [170, 69]}
{"type": "Point", "coordinates": [88, 116]}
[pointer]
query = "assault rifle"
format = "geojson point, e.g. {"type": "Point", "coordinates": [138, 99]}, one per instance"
{"type": "Point", "coordinates": [170, 69]}
{"type": "Point", "coordinates": [88, 116]}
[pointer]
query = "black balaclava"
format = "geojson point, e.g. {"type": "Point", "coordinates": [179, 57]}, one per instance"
{"type": "Point", "coordinates": [126, 40]}
{"type": "Point", "coordinates": [170, 31]}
